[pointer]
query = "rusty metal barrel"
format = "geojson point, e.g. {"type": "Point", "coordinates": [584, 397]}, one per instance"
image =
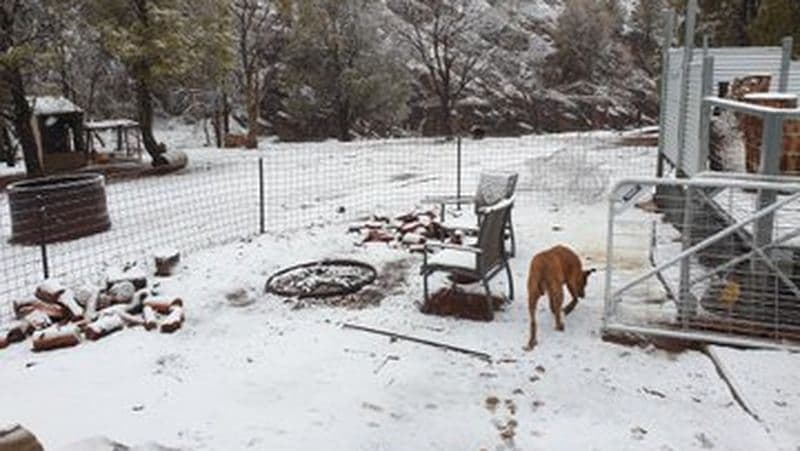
{"type": "Point", "coordinates": [57, 208]}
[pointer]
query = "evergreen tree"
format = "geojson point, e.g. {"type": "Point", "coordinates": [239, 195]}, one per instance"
{"type": "Point", "coordinates": [159, 42]}
{"type": "Point", "coordinates": [582, 40]}
{"type": "Point", "coordinates": [23, 25]}
{"type": "Point", "coordinates": [776, 19]}
{"type": "Point", "coordinates": [338, 67]}
{"type": "Point", "coordinates": [647, 28]}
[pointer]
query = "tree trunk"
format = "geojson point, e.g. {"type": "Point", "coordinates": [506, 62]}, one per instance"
{"type": "Point", "coordinates": [217, 126]}
{"type": "Point", "coordinates": [22, 121]}
{"type": "Point", "coordinates": [154, 148]}
{"type": "Point", "coordinates": [253, 110]}
{"type": "Point", "coordinates": [446, 117]}
{"type": "Point", "coordinates": [226, 115]}
{"type": "Point", "coordinates": [343, 122]}
{"type": "Point", "coordinates": [7, 147]}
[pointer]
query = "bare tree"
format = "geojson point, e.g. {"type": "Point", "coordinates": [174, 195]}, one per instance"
{"type": "Point", "coordinates": [436, 38]}
{"type": "Point", "coordinates": [254, 24]}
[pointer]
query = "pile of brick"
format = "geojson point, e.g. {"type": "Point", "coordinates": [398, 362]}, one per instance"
{"type": "Point", "coordinates": [57, 316]}
{"type": "Point", "coordinates": [411, 229]}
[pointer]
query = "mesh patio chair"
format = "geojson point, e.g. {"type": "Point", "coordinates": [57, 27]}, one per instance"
{"type": "Point", "coordinates": [479, 262]}
{"type": "Point", "coordinates": [493, 187]}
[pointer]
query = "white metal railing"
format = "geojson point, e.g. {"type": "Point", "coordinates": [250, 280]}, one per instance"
{"type": "Point", "coordinates": [707, 261]}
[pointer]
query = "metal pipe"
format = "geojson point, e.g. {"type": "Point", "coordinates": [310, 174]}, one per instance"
{"type": "Point", "coordinates": [688, 55]}
{"type": "Point", "coordinates": [787, 45]}
{"type": "Point", "coordinates": [458, 173]}
{"type": "Point", "coordinates": [669, 29]}
{"type": "Point", "coordinates": [696, 336]}
{"type": "Point", "coordinates": [261, 199]}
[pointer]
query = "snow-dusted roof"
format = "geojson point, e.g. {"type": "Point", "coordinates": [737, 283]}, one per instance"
{"type": "Point", "coordinates": [111, 123]}
{"type": "Point", "coordinates": [52, 105]}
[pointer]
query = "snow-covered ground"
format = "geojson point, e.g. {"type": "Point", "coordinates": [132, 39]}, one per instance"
{"type": "Point", "coordinates": [268, 375]}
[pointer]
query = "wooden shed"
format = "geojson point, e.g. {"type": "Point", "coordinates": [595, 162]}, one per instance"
{"type": "Point", "coordinates": [58, 130]}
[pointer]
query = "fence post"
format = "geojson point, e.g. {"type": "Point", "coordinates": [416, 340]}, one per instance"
{"type": "Point", "coordinates": [771, 152]}
{"type": "Point", "coordinates": [705, 114]}
{"type": "Point", "coordinates": [688, 54]}
{"type": "Point", "coordinates": [665, 47]}
{"type": "Point", "coordinates": [261, 200]}
{"type": "Point", "coordinates": [786, 62]}
{"type": "Point", "coordinates": [458, 171]}
{"type": "Point", "coordinates": [43, 235]}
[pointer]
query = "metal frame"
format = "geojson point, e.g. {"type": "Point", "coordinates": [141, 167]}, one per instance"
{"type": "Point", "coordinates": [685, 302]}
{"type": "Point", "coordinates": [480, 272]}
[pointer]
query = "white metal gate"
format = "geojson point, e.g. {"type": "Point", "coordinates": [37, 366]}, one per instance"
{"type": "Point", "coordinates": [705, 259]}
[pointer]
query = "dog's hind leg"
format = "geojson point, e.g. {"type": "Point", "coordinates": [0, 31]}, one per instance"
{"type": "Point", "coordinates": [556, 295]}
{"type": "Point", "coordinates": [533, 299]}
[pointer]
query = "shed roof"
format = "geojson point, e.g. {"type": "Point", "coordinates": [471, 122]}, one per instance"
{"type": "Point", "coordinates": [44, 105]}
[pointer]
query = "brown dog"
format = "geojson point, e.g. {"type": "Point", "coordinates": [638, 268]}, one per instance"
{"type": "Point", "coordinates": [548, 272]}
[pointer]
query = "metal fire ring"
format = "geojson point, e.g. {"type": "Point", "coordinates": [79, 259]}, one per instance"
{"type": "Point", "coordinates": [321, 279]}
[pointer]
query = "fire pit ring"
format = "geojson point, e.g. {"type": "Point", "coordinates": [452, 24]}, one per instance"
{"type": "Point", "coordinates": [321, 279]}
{"type": "Point", "coordinates": [57, 208]}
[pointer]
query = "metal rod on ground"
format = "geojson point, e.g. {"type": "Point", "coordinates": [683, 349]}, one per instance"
{"type": "Point", "coordinates": [43, 235]}
{"type": "Point", "coordinates": [478, 354]}
{"type": "Point", "coordinates": [261, 195]}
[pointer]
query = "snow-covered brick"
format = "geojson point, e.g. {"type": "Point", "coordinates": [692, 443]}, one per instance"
{"type": "Point", "coordinates": [163, 305]}
{"type": "Point", "coordinates": [173, 321]}
{"type": "Point", "coordinates": [50, 290]}
{"type": "Point", "coordinates": [55, 312]}
{"type": "Point", "coordinates": [134, 275]}
{"type": "Point", "coordinates": [17, 438]}
{"type": "Point", "coordinates": [413, 238]}
{"type": "Point", "coordinates": [38, 319]}
{"type": "Point", "coordinates": [14, 332]}
{"type": "Point", "coordinates": [150, 318]}
{"type": "Point", "coordinates": [105, 325]}
{"type": "Point", "coordinates": [56, 337]}
{"type": "Point", "coordinates": [67, 300]}
{"type": "Point", "coordinates": [122, 292]}
{"type": "Point", "coordinates": [166, 262]}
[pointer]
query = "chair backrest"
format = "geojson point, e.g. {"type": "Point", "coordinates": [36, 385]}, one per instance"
{"type": "Point", "coordinates": [491, 234]}
{"type": "Point", "coordinates": [494, 187]}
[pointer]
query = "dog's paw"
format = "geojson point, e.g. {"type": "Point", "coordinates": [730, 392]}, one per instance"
{"type": "Point", "coordinates": [560, 327]}
{"type": "Point", "coordinates": [529, 347]}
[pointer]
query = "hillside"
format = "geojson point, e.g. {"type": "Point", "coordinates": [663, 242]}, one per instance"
{"type": "Point", "coordinates": [515, 93]}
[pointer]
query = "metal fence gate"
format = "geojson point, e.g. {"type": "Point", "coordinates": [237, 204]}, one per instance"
{"type": "Point", "coordinates": [705, 259]}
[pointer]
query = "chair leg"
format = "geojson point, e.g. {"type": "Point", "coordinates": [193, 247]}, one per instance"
{"type": "Point", "coordinates": [489, 303]}
{"type": "Point", "coordinates": [513, 249]}
{"type": "Point", "coordinates": [510, 282]}
{"type": "Point", "coordinates": [425, 288]}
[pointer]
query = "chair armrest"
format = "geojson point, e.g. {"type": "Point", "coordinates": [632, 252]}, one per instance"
{"type": "Point", "coordinates": [454, 247]}
{"type": "Point", "coordinates": [469, 230]}
{"type": "Point", "coordinates": [448, 200]}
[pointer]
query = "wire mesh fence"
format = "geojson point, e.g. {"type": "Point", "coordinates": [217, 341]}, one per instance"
{"type": "Point", "coordinates": [220, 198]}
{"type": "Point", "coordinates": [706, 258]}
